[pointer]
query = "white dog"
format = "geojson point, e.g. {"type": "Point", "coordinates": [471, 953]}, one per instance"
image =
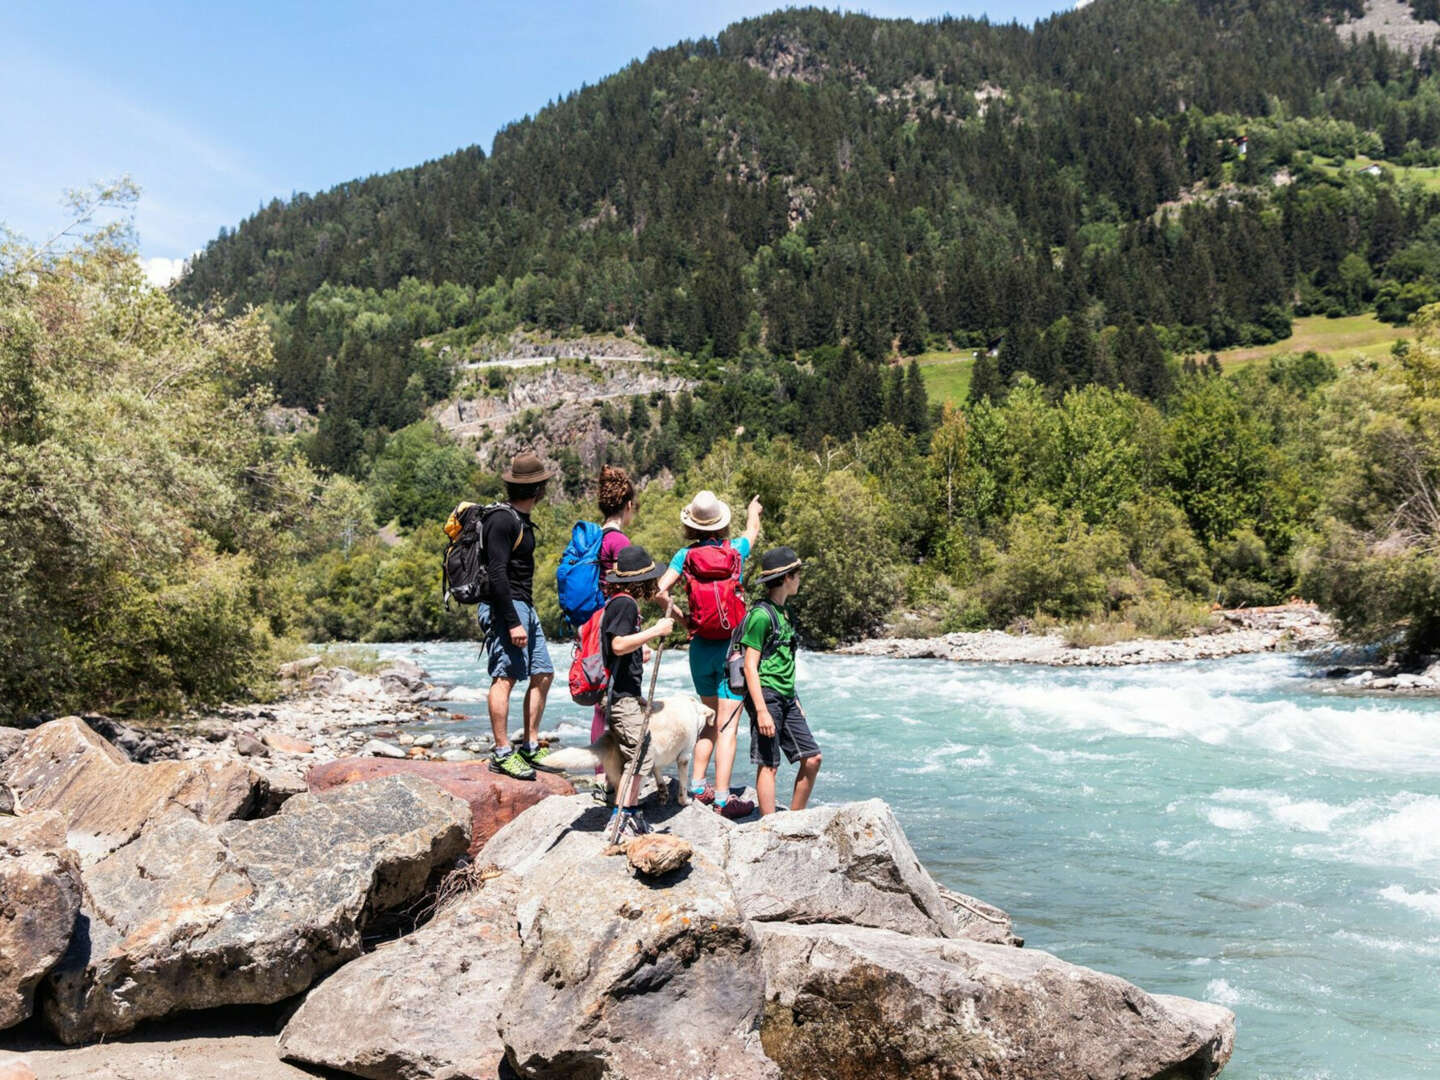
{"type": "Point", "coordinates": [675, 724]}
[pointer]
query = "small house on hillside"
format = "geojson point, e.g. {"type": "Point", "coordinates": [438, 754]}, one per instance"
{"type": "Point", "coordinates": [1373, 170]}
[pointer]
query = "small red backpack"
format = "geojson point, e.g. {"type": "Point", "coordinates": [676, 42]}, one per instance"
{"type": "Point", "coordinates": [712, 584]}
{"type": "Point", "coordinates": [589, 677]}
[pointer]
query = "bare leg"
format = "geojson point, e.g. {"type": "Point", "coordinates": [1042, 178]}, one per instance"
{"type": "Point", "coordinates": [728, 728]}
{"type": "Point", "coordinates": [704, 744]}
{"type": "Point", "coordinates": [765, 789]}
{"type": "Point", "coordinates": [804, 783]}
{"type": "Point", "coordinates": [535, 695]}
{"type": "Point", "coordinates": [499, 702]}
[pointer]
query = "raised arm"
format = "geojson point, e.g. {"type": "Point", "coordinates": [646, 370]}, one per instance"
{"type": "Point", "coordinates": [752, 521]}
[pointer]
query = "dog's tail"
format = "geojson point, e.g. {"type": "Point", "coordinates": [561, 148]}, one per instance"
{"type": "Point", "coordinates": [576, 759]}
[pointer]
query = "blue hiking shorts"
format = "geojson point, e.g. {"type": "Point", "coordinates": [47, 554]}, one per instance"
{"type": "Point", "coordinates": [707, 669]}
{"type": "Point", "coordinates": [506, 661]}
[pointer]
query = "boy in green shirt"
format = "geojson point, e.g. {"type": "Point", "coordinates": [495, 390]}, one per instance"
{"type": "Point", "coordinates": [776, 720]}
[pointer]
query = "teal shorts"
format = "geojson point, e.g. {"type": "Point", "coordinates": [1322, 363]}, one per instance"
{"type": "Point", "coordinates": [707, 669]}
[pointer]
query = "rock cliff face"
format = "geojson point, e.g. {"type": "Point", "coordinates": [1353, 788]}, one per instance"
{"type": "Point", "coordinates": [549, 409]}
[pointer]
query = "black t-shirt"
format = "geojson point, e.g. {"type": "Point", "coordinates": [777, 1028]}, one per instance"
{"type": "Point", "coordinates": [621, 618]}
{"type": "Point", "coordinates": [512, 566]}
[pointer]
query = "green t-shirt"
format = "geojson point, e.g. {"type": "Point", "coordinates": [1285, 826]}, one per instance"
{"type": "Point", "coordinates": [777, 671]}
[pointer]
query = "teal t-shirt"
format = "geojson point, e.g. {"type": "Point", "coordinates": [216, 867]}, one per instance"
{"type": "Point", "coordinates": [777, 671]}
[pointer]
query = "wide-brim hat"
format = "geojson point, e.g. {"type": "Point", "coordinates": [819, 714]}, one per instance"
{"type": "Point", "coordinates": [776, 563]}
{"type": "Point", "coordinates": [632, 566]}
{"type": "Point", "coordinates": [527, 468]}
{"type": "Point", "coordinates": [706, 512]}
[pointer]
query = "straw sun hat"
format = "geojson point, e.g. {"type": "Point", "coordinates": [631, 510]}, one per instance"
{"type": "Point", "coordinates": [706, 512]}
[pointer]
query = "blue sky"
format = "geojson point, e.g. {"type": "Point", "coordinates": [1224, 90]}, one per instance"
{"type": "Point", "coordinates": [215, 108]}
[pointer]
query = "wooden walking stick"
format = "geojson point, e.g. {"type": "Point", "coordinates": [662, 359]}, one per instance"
{"type": "Point", "coordinates": [630, 778]}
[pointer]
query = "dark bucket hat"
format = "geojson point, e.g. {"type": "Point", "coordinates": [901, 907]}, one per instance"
{"type": "Point", "coordinates": [632, 566]}
{"type": "Point", "coordinates": [776, 563]}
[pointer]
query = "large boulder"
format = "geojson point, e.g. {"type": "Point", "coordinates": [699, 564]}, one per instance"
{"type": "Point", "coordinates": [425, 1005]}
{"type": "Point", "coordinates": [40, 894]}
{"type": "Point", "coordinates": [634, 979]}
{"type": "Point", "coordinates": [108, 800]}
{"type": "Point", "coordinates": [849, 1001]}
{"type": "Point", "coordinates": [11, 739]}
{"type": "Point", "coordinates": [494, 800]}
{"type": "Point", "coordinates": [192, 916]}
{"type": "Point", "coordinates": [848, 863]}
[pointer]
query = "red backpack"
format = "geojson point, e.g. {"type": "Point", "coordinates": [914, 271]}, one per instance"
{"type": "Point", "coordinates": [589, 677]}
{"type": "Point", "coordinates": [712, 584]}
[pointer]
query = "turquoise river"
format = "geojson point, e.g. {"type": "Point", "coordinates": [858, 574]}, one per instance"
{"type": "Point", "coordinates": [1231, 830]}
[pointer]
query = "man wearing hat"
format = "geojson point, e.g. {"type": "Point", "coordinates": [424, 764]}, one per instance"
{"type": "Point", "coordinates": [514, 641]}
{"type": "Point", "coordinates": [777, 722]}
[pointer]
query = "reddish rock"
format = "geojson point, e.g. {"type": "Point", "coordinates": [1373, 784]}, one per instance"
{"type": "Point", "coordinates": [494, 800]}
{"type": "Point", "coordinates": [286, 744]}
{"type": "Point", "coordinates": [16, 1069]}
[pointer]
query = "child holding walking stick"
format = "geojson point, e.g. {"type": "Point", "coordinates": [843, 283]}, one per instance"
{"type": "Point", "coordinates": [623, 642]}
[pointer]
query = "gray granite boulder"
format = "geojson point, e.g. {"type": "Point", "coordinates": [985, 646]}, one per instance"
{"type": "Point", "coordinates": [635, 979]}
{"type": "Point", "coordinates": [40, 894]}
{"type": "Point", "coordinates": [192, 916]}
{"type": "Point", "coordinates": [849, 863]}
{"type": "Point", "coordinates": [425, 1005]}
{"type": "Point", "coordinates": [851, 1001]}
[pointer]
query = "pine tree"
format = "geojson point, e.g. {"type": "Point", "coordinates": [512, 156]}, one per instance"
{"type": "Point", "coordinates": [917, 405]}
{"type": "Point", "coordinates": [895, 396]}
{"type": "Point", "coordinates": [985, 382]}
{"type": "Point", "coordinates": [639, 414]}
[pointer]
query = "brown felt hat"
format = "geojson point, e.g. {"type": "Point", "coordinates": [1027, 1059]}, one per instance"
{"type": "Point", "coordinates": [526, 468]}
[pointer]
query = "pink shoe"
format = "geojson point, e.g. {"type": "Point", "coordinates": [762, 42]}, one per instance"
{"type": "Point", "coordinates": [736, 807]}
{"type": "Point", "coordinates": [707, 796]}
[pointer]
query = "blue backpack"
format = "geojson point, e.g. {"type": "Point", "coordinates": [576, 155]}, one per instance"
{"type": "Point", "coordinates": [577, 579]}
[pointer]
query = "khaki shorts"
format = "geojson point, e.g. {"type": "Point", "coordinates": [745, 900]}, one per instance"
{"type": "Point", "coordinates": [627, 716]}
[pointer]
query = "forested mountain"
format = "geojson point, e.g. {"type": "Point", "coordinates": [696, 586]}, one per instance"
{"type": "Point", "coordinates": [809, 177]}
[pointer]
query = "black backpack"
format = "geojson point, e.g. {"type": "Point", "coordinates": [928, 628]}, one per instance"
{"type": "Point", "coordinates": [464, 570]}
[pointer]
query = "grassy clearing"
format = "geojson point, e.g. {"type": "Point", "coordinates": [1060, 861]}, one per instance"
{"type": "Point", "coordinates": [1426, 177]}
{"type": "Point", "coordinates": [1351, 337]}
{"type": "Point", "coordinates": [947, 374]}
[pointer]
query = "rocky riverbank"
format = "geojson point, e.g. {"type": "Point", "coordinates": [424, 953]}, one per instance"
{"type": "Point", "coordinates": [404, 916]}
{"type": "Point", "coordinates": [1246, 630]}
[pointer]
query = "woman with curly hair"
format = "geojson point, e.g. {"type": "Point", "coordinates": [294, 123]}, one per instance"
{"type": "Point", "coordinates": [616, 497]}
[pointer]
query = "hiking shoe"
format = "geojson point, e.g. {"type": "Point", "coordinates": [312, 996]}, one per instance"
{"type": "Point", "coordinates": [512, 765]}
{"type": "Point", "coordinates": [537, 758]}
{"type": "Point", "coordinates": [706, 795]}
{"type": "Point", "coordinates": [633, 824]}
{"type": "Point", "coordinates": [735, 807]}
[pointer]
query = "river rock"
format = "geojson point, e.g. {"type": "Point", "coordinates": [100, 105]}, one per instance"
{"type": "Point", "coordinates": [656, 854]}
{"type": "Point", "coordinates": [286, 744]}
{"type": "Point", "coordinates": [16, 1069]}
{"type": "Point", "coordinates": [193, 916]}
{"type": "Point", "coordinates": [380, 748]}
{"type": "Point", "coordinates": [40, 894]}
{"type": "Point", "coordinates": [11, 739]}
{"type": "Point", "coordinates": [849, 863]}
{"type": "Point", "coordinates": [853, 1001]}
{"type": "Point", "coordinates": [425, 741]}
{"type": "Point", "coordinates": [248, 746]}
{"type": "Point", "coordinates": [298, 669]}
{"type": "Point", "coordinates": [494, 800]}
{"type": "Point", "coordinates": [425, 1005]}
{"type": "Point", "coordinates": [107, 800]}
{"type": "Point", "coordinates": [978, 921]}
{"type": "Point", "coordinates": [626, 979]}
